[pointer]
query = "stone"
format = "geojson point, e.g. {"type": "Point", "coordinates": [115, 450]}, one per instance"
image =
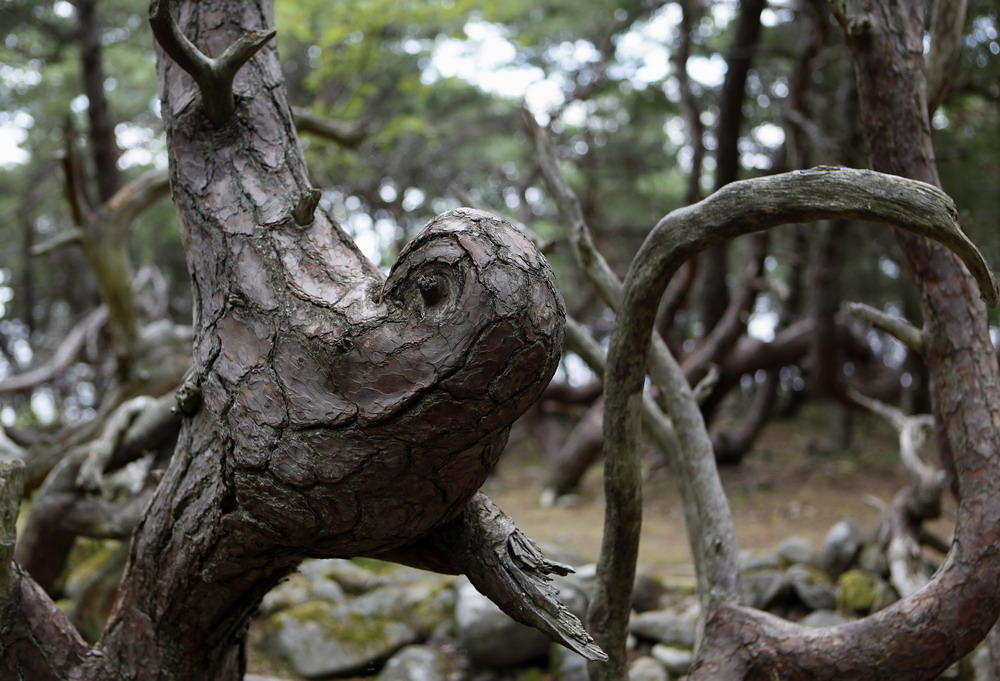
{"type": "Point", "coordinates": [812, 587]}
{"type": "Point", "coordinates": [647, 593]}
{"type": "Point", "coordinates": [841, 548]}
{"type": "Point", "coordinates": [489, 637]}
{"type": "Point", "coordinates": [676, 660]}
{"type": "Point", "coordinates": [353, 577]}
{"type": "Point", "coordinates": [567, 665]}
{"type": "Point", "coordinates": [796, 550]}
{"type": "Point", "coordinates": [761, 586]}
{"type": "Point", "coordinates": [319, 639]}
{"type": "Point", "coordinates": [860, 592]}
{"type": "Point", "coordinates": [665, 626]}
{"type": "Point", "coordinates": [301, 588]}
{"type": "Point", "coordinates": [493, 639]}
{"type": "Point", "coordinates": [647, 669]}
{"type": "Point", "coordinates": [416, 663]}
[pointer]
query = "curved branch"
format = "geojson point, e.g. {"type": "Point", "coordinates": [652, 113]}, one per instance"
{"type": "Point", "coordinates": [343, 133]}
{"type": "Point", "coordinates": [64, 355]}
{"type": "Point", "coordinates": [898, 328]}
{"type": "Point", "coordinates": [739, 208]}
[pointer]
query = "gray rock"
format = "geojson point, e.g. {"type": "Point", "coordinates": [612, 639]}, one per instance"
{"type": "Point", "coordinates": [492, 639]}
{"type": "Point", "coordinates": [872, 559]}
{"type": "Point", "coordinates": [353, 577]}
{"type": "Point", "coordinates": [647, 669]}
{"type": "Point", "coordinates": [766, 561]}
{"type": "Point", "coordinates": [489, 637]}
{"type": "Point", "coordinates": [301, 588]}
{"type": "Point", "coordinates": [416, 663]}
{"type": "Point", "coordinates": [812, 587]}
{"type": "Point", "coordinates": [796, 550]}
{"type": "Point", "coordinates": [647, 592]}
{"type": "Point", "coordinates": [760, 587]}
{"type": "Point", "coordinates": [319, 639]}
{"type": "Point", "coordinates": [860, 593]}
{"type": "Point", "coordinates": [841, 548]}
{"type": "Point", "coordinates": [676, 660]}
{"type": "Point", "coordinates": [823, 618]}
{"type": "Point", "coordinates": [665, 626]}
{"type": "Point", "coordinates": [567, 665]}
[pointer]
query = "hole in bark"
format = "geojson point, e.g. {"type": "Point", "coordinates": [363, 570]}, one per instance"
{"type": "Point", "coordinates": [432, 290]}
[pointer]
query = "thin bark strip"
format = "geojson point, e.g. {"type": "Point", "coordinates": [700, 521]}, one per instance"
{"type": "Point", "coordinates": [740, 208]}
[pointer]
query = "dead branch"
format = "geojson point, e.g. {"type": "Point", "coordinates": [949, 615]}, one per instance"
{"type": "Point", "coordinates": [897, 327]}
{"type": "Point", "coordinates": [346, 134]}
{"type": "Point", "coordinates": [505, 566]}
{"type": "Point", "coordinates": [64, 355]}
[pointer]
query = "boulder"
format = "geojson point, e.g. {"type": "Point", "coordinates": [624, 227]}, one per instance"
{"type": "Point", "coordinates": [676, 660]}
{"type": "Point", "coordinates": [860, 592]}
{"type": "Point", "coordinates": [796, 550]}
{"type": "Point", "coordinates": [489, 637]}
{"type": "Point", "coordinates": [665, 626]}
{"type": "Point", "coordinates": [416, 663]}
{"type": "Point", "coordinates": [841, 548]}
{"type": "Point", "coordinates": [647, 669]}
{"type": "Point", "coordinates": [319, 639]}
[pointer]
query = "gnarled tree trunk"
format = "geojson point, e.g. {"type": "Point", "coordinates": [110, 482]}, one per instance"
{"type": "Point", "coordinates": [331, 411]}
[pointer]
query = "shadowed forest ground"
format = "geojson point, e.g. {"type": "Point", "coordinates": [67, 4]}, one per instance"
{"type": "Point", "coordinates": [792, 483]}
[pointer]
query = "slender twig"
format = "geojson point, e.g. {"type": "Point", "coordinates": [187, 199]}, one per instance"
{"type": "Point", "coordinates": [343, 133]}
{"type": "Point", "coordinates": [70, 236]}
{"type": "Point", "coordinates": [64, 355]}
{"type": "Point", "coordinates": [214, 77]}
{"type": "Point", "coordinates": [898, 328]}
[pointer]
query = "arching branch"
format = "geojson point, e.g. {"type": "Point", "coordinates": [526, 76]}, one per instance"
{"type": "Point", "coordinates": [739, 208]}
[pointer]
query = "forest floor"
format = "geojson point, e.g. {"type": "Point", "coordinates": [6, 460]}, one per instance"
{"type": "Point", "coordinates": [793, 483]}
